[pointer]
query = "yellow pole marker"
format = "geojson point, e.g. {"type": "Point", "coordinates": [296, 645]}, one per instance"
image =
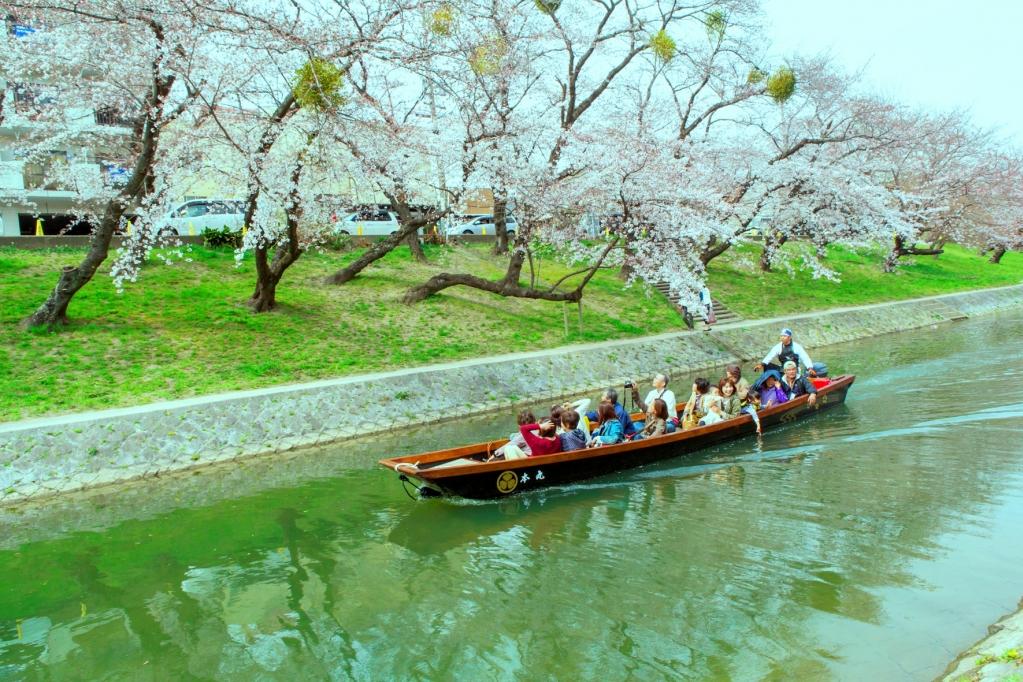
{"type": "Point", "coordinates": [191, 228]}
{"type": "Point", "coordinates": [39, 227]}
{"type": "Point", "coordinates": [607, 231]}
{"type": "Point", "coordinates": [245, 232]}
{"type": "Point", "coordinates": [128, 229]}
{"type": "Point", "coordinates": [484, 230]}
{"type": "Point", "coordinates": [358, 229]}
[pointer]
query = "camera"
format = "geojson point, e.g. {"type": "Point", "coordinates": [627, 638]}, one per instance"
{"type": "Point", "coordinates": [629, 384]}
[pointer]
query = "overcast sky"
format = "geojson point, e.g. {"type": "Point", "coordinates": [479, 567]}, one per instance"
{"type": "Point", "coordinates": [937, 54]}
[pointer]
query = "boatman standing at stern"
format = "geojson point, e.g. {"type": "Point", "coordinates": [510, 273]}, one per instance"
{"type": "Point", "coordinates": [783, 352]}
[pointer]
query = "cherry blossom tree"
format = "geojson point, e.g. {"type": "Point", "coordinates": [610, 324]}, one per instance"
{"type": "Point", "coordinates": [541, 92]}
{"type": "Point", "coordinates": [938, 169]}
{"type": "Point", "coordinates": [139, 71]}
{"type": "Point", "coordinates": [287, 68]}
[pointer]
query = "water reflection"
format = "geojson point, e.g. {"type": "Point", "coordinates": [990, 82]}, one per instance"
{"type": "Point", "coordinates": [796, 555]}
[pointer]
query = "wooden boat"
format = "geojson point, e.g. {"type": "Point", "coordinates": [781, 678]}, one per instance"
{"type": "Point", "coordinates": [462, 472]}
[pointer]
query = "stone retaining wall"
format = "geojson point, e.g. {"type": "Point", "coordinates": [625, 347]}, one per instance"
{"type": "Point", "coordinates": [46, 456]}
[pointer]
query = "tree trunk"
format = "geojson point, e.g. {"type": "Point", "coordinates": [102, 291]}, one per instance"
{"type": "Point", "coordinates": [713, 250]}
{"type": "Point", "coordinates": [900, 249]}
{"type": "Point", "coordinates": [264, 298]}
{"type": "Point", "coordinates": [269, 274]}
{"type": "Point", "coordinates": [53, 311]}
{"type": "Point", "coordinates": [996, 256]}
{"type": "Point", "coordinates": [500, 226]}
{"type": "Point", "coordinates": [416, 247]}
{"type": "Point", "coordinates": [508, 285]}
{"type": "Point", "coordinates": [373, 254]}
{"type": "Point", "coordinates": [771, 245]}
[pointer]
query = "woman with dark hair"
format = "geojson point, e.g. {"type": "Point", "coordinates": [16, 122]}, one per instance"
{"type": "Point", "coordinates": [656, 420]}
{"type": "Point", "coordinates": [695, 409]}
{"type": "Point", "coordinates": [610, 431]}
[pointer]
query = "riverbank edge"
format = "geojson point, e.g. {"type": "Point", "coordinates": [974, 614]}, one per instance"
{"type": "Point", "coordinates": [991, 658]}
{"type": "Point", "coordinates": [53, 455]}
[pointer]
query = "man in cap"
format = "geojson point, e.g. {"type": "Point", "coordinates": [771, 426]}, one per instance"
{"type": "Point", "coordinates": [784, 351]}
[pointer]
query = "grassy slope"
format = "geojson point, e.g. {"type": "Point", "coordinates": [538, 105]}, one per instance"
{"type": "Point", "coordinates": [184, 330]}
{"type": "Point", "coordinates": [743, 288]}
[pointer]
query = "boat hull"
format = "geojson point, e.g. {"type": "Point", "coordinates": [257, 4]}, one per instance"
{"type": "Point", "coordinates": [503, 478]}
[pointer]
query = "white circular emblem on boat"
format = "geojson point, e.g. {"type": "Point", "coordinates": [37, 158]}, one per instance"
{"type": "Point", "coordinates": [507, 482]}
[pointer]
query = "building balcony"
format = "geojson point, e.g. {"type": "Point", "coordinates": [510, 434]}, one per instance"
{"type": "Point", "coordinates": [110, 116]}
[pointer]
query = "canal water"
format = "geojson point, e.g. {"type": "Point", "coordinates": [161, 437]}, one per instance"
{"type": "Point", "coordinates": [875, 541]}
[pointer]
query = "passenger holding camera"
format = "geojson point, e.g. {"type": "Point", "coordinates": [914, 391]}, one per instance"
{"type": "Point", "coordinates": [660, 391]}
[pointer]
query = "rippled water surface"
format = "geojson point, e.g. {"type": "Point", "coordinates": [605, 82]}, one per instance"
{"type": "Point", "coordinates": [874, 541]}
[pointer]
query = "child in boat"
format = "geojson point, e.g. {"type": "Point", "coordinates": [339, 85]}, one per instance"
{"type": "Point", "coordinates": [714, 414]}
{"type": "Point", "coordinates": [545, 441]}
{"type": "Point", "coordinates": [610, 431]}
{"type": "Point", "coordinates": [656, 420]}
{"type": "Point", "coordinates": [751, 408]}
{"type": "Point", "coordinates": [572, 437]}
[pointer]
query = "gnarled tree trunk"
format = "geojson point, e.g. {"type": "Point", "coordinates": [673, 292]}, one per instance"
{"type": "Point", "coordinates": [53, 311]}
{"type": "Point", "coordinates": [713, 250]}
{"type": "Point", "coordinates": [509, 284]}
{"type": "Point", "coordinates": [416, 246]}
{"type": "Point", "coordinates": [899, 249]}
{"type": "Point", "coordinates": [374, 253]}
{"type": "Point", "coordinates": [772, 242]}
{"type": "Point", "coordinates": [996, 255]}
{"type": "Point", "coordinates": [269, 273]}
{"type": "Point", "coordinates": [500, 226]}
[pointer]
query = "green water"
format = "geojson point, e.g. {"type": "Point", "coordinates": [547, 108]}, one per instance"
{"type": "Point", "coordinates": [875, 541]}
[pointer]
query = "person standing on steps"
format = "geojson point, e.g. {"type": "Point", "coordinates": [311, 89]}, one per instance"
{"type": "Point", "coordinates": [707, 308]}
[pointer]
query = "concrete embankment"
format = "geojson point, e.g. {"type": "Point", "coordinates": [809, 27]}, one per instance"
{"type": "Point", "coordinates": [996, 658]}
{"type": "Point", "coordinates": [42, 457]}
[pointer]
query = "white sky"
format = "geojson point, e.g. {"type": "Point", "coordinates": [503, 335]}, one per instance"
{"type": "Point", "coordinates": [938, 54]}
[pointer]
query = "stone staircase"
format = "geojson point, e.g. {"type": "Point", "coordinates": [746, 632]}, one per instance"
{"type": "Point", "coordinates": [723, 314]}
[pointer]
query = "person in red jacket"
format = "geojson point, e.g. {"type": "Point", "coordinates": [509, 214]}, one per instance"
{"type": "Point", "coordinates": [546, 443]}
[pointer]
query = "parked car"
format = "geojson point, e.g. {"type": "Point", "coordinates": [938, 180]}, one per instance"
{"type": "Point", "coordinates": [192, 217]}
{"type": "Point", "coordinates": [477, 224]}
{"type": "Point", "coordinates": [370, 222]}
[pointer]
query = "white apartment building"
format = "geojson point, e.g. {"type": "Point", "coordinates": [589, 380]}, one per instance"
{"type": "Point", "coordinates": [26, 194]}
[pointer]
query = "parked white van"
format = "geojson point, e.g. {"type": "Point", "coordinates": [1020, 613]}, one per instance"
{"type": "Point", "coordinates": [192, 217]}
{"type": "Point", "coordinates": [481, 224]}
{"type": "Point", "coordinates": [370, 222]}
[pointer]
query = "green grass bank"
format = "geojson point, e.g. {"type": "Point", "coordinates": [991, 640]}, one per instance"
{"type": "Point", "coordinates": [184, 329]}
